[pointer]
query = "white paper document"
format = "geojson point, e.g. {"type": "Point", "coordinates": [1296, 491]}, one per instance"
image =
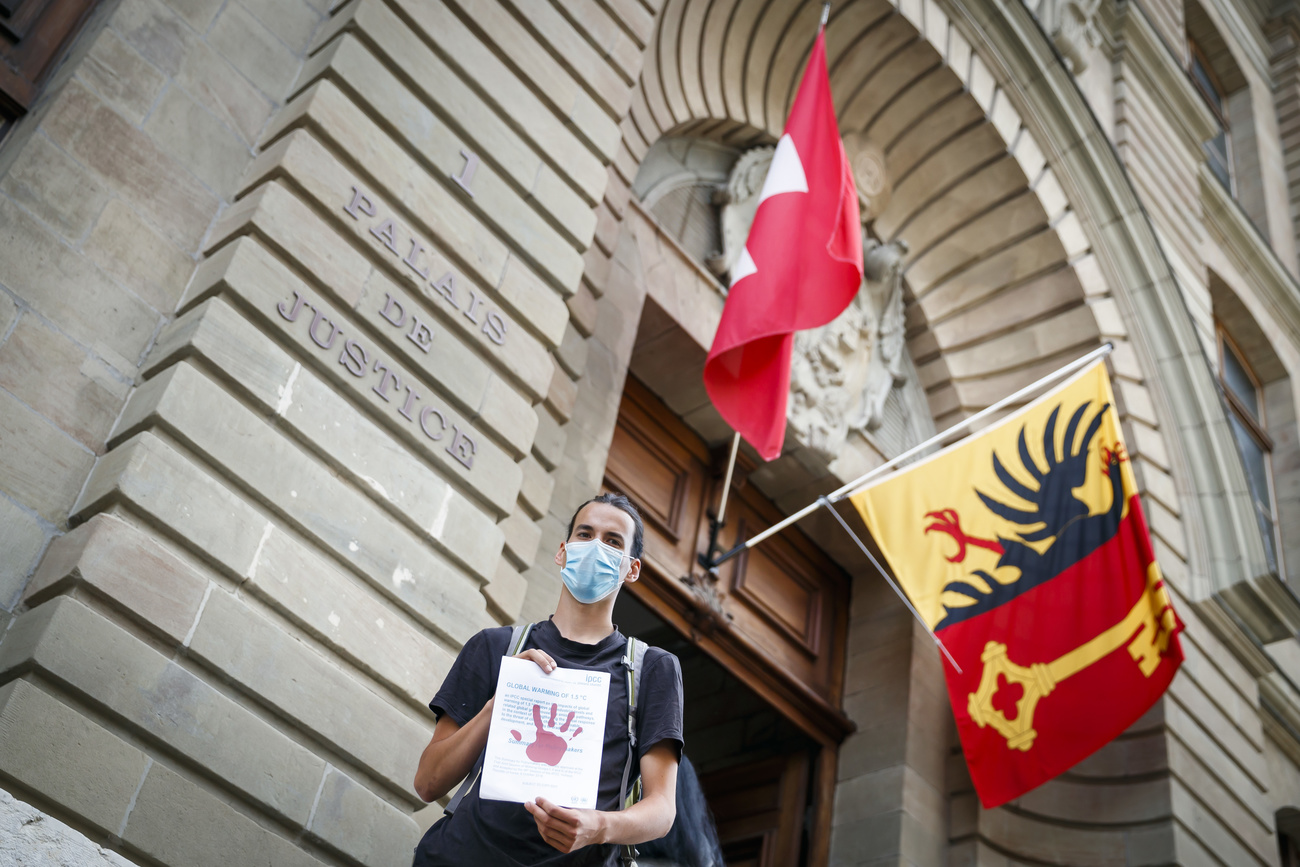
{"type": "Point", "coordinates": [546, 736]}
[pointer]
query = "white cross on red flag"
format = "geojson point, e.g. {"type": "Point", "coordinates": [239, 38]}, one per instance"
{"type": "Point", "coordinates": [801, 266]}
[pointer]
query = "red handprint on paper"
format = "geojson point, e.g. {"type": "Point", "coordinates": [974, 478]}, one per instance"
{"type": "Point", "coordinates": [548, 748]}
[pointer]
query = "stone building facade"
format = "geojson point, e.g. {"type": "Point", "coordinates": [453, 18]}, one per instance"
{"type": "Point", "coordinates": [318, 320]}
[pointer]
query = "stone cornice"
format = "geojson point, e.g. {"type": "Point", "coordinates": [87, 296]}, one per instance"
{"type": "Point", "coordinates": [1257, 262]}
{"type": "Point", "coordinates": [1223, 621]}
{"type": "Point", "coordinates": [1264, 606]}
{"type": "Point", "coordinates": [1281, 704]}
{"type": "Point", "coordinates": [1141, 50]}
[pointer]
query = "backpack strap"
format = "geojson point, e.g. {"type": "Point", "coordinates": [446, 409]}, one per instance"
{"type": "Point", "coordinates": [634, 661]}
{"type": "Point", "coordinates": [518, 636]}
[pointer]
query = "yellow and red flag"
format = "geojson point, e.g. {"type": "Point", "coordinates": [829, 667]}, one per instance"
{"type": "Point", "coordinates": [1025, 549]}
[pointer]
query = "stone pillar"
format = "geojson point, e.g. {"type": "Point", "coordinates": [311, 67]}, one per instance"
{"type": "Point", "coordinates": [891, 803]}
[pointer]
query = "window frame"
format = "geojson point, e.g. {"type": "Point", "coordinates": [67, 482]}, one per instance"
{"type": "Point", "coordinates": [1196, 55]}
{"type": "Point", "coordinates": [1256, 428]}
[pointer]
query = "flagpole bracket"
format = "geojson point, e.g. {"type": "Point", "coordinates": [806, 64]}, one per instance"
{"type": "Point", "coordinates": [711, 558]}
{"type": "Point", "coordinates": [705, 586]}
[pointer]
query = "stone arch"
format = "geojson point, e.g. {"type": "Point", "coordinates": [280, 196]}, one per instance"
{"type": "Point", "coordinates": [988, 90]}
{"type": "Point", "coordinates": [982, 85]}
{"type": "Point", "coordinates": [973, 195]}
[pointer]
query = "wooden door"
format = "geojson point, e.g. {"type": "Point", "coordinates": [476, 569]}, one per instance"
{"type": "Point", "coordinates": [759, 808]}
{"type": "Point", "coordinates": [775, 618]}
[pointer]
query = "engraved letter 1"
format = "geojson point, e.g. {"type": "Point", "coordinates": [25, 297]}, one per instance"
{"type": "Point", "coordinates": [466, 177]}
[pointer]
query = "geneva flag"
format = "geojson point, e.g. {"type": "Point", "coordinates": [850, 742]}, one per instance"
{"type": "Point", "coordinates": [1025, 549]}
{"type": "Point", "coordinates": [801, 266]}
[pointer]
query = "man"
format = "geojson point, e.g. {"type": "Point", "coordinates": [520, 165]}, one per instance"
{"type": "Point", "coordinates": [602, 551]}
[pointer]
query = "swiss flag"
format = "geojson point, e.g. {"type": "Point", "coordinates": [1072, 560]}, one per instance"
{"type": "Point", "coordinates": [801, 266]}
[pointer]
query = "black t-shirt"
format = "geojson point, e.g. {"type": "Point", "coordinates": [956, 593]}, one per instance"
{"type": "Point", "coordinates": [504, 833]}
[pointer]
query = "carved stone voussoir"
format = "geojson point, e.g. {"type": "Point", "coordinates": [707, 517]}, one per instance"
{"type": "Point", "coordinates": [1072, 26]}
{"type": "Point", "coordinates": [867, 160]}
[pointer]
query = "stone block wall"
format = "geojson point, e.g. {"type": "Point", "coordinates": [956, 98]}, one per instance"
{"type": "Point", "coordinates": [306, 359]}
{"type": "Point", "coordinates": [106, 193]}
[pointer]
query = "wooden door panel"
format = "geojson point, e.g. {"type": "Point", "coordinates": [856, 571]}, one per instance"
{"type": "Point", "coordinates": [661, 481]}
{"type": "Point", "coordinates": [759, 809]}
{"type": "Point", "coordinates": [778, 615]}
{"type": "Point", "coordinates": [665, 475]}
{"type": "Point", "coordinates": [785, 595]}
{"type": "Point", "coordinates": [780, 589]}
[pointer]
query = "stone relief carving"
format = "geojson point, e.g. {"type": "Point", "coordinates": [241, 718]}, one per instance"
{"type": "Point", "coordinates": [883, 284]}
{"type": "Point", "coordinates": [828, 378]}
{"type": "Point", "coordinates": [1072, 26]}
{"type": "Point", "coordinates": [739, 201]}
{"type": "Point", "coordinates": [841, 375]}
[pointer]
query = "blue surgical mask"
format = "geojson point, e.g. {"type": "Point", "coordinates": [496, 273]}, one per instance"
{"type": "Point", "coordinates": [593, 570]}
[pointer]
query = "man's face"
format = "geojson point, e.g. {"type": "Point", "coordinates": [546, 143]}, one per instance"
{"type": "Point", "coordinates": [610, 525]}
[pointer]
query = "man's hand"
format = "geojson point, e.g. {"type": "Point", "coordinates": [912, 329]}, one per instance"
{"type": "Point", "coordinates": [565, 829]}
{"type": "Point", "coordinates": [544, 662]}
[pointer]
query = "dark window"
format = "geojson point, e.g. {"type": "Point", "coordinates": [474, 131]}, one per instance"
{"type": "Point", "coordinates": [34, 35]}
{"type": "Point", "coordinates": [1218, 150]}
{"type": "Point", "coordinates": [1246, 418]}
{"type": "Point", "coordinates": [1288, 833]}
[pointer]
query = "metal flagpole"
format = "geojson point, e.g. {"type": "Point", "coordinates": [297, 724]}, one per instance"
{"type": "Point", "coordinates": [855, 485]}
{"type": "Point", "coordinates": [726, 483]}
